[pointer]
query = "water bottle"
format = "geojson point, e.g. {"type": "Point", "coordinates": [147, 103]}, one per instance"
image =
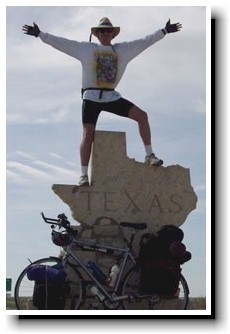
{"type": "Point", "coordinates": [95, 292]}
{"type": "Point", "coordinates": [96, 271]}
{"type": "Point", "coordinates": [113, 276]}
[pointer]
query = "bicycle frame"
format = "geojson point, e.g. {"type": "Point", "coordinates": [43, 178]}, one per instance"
{"type": "Point", "coordinates": [126, 253]}
{"type": "Point", "coordinates": [127, 283]}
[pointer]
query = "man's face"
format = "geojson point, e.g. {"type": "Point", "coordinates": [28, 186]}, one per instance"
{"type": "Point", "coordinates": [105, 35]}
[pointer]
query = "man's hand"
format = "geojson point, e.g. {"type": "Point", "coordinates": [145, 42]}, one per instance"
{"type": "Point", "coordinates": [31, 30]}
{"type": "Point", "coordinates": [172, 27]}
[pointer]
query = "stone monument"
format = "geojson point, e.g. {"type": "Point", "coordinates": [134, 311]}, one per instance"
{"type": "Point", "coordinates": [122, 189]}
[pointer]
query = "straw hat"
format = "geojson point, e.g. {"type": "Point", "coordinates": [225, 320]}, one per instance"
{"type": "Point", "coordinates": [105, 23]}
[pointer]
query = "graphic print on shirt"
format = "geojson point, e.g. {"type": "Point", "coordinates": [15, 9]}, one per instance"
{"type": "Point", "coordinates": [105, 67]}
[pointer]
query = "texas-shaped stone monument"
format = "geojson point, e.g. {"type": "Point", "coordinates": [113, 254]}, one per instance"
{"type": "Point", "coordinates": [122, 189]}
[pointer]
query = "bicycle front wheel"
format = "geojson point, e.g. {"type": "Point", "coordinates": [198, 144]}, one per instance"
{"type": "Point", "coordinates": [24, 288]}
{"type": "Point", "coordinates": [139, 301]}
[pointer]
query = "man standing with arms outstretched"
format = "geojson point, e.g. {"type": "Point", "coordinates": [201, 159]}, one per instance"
{"type": "Point", "coordinates": [103, 65]}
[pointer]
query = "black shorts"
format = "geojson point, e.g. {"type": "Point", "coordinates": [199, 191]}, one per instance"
{"type": "Point", "coordinates": [91, 110]}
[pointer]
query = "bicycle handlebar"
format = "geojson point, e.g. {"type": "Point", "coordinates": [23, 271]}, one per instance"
{"type": "Point", "coordinates": [62, 221]}
{"type": "Point", "coordinates": [50, 220]}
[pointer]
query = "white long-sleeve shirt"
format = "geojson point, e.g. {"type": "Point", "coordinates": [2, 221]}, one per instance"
{"type": "Point", "coordinates": [102, 66]}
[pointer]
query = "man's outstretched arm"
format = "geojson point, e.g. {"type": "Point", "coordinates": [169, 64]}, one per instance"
{"type": "Point", "coordinates": [65, 45]}
{"type": "Point", "coordinates": [31, 30]}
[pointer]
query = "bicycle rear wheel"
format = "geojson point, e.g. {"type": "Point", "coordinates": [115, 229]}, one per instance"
{"type": "Point", "coordinates": [24, 288]}
{"type": "Point", "coordinates": [138, 301]}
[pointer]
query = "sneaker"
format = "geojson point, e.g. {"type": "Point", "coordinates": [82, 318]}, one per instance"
{"type": "Point", "coordinates": [153, 160]}
{"type": "Point", "coordinates": [84, 180]}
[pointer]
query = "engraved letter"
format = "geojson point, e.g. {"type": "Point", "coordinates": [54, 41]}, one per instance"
{"type": "Point", "coordinates": [88, 198]}
{"type": "Point", "coordinates": [177, 206]}
{"type": "Point", "coordinates": [108, 201]}
{"type": "Point", "coordinates": [132, 205]}
{"type": "Point", "coordinates": [155, 204]}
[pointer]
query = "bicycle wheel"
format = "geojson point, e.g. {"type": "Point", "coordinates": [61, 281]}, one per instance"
{"type": "Point", "coordinates": [24, 288]}
{"type": "Point", "coordinates": [138, 301]}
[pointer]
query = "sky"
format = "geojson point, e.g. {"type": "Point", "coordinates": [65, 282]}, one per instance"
{"type": "Point", "coordinates": [43, 117]}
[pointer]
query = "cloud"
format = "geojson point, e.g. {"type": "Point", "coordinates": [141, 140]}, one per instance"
{"type": "Point", "coordinates": [58, 171]}
{"type": "Point", "coordinates": [23, 173]}
{"type": "Point", "coordinates": [41, 109]}
{"type": "Point", "coordinates": [24, 155]}
{"type": "Point", "coordinates": [55, 155]}
{"type": "Point", "coordinates": [27, 169]}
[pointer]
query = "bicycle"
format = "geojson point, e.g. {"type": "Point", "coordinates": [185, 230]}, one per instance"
{"type": "Point", "coordinates": [126, 292]}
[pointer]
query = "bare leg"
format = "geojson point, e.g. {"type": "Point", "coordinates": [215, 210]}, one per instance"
{"type": "Point", "coordinates": [141, 118]}
{"type": "Point", "coordinates": [86, 144]}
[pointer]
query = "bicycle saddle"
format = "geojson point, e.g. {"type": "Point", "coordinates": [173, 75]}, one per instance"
{"type": "Point", "coordinates": [135, 226]}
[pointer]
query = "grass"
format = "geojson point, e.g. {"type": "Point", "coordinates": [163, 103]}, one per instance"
{"type": "Point", "coordinates": [198, 303]}
{"type": "Point", "coordinates": [10, 304]}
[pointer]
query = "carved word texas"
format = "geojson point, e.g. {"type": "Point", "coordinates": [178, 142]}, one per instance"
{"type": "Point", "coordinates": [107, 202]}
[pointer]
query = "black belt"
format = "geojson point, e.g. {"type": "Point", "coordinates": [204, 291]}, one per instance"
{"type": "Point", "coordinates": [93, 88]}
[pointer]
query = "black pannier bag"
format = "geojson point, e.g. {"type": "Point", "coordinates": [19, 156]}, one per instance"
{"type": "Point", "coordinates": [50, 287]}
{"type": "Point", "coordinates": [161, 256]}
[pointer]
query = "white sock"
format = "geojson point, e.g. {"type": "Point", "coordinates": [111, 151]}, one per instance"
{"type": "Point", "coordinates": [84, 170]}
{"type": "Point", "coordinates": [148, 149]}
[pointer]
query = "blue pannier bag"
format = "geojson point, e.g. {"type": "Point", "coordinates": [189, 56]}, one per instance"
{"type": "Point", "coordinates": [41, 272]}
{"type": "Point", "coordinates": [51, 289]}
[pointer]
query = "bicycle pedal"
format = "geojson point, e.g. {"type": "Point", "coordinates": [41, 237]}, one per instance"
{"type": "Point", "coordinates": [155, 299]}
{"type": "Point", "coordinates": [94, 306]}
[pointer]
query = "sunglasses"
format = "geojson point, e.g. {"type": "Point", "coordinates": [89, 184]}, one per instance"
{"type": "Point", "coordinates": [104, 30]}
